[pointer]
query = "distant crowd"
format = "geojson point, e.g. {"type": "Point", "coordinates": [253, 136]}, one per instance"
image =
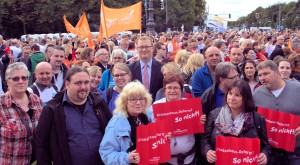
{"type": "Point", "coordinates": [67, 103]}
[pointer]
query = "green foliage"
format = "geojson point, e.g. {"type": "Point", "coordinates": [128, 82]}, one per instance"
{"type": "Point", "coordinates": [18, 17]}
{"type": "Point", "coordinates": [290, 16]}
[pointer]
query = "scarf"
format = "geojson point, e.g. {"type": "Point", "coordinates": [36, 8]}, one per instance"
{"type": "Point", "coordinates": [134, 122]}
{"type": "Point", "coordinates": [227, 125]}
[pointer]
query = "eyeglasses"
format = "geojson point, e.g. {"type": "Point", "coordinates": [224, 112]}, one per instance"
{"type": "Point", "coordinates": [175, 88]}
{"type": "Point", "coordinates": [16, 79]}
{"type": "Point", "coordinates": [118, 58]}
{"type": "Point", "coordinates": [144, 47]}
{"type": "Point", "coordinates": [103, 54]}
{"type": "Point", "coordinates": [120, 75]}
{"type": "Point", "coordinates": [135, 100]}
{"type": "Point", "coordinates": [234, 77]}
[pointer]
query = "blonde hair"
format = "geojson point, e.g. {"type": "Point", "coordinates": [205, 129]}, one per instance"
{"type": "Point", "coordinates": [132, 89]}
{"type": "Point", "coordinates": [93, 69]}
{"type": "Point", "coordinates": [185, 55]}
{"type": "Point", "coordinates": [195, 61]}
{"type": "Point", "coordinates": [172, 67]}
{"type": "Point", "coordinates": [245, 42]}
{"type": "Point", "coordinates": [123, 67]}
{"type": "Point", "coordinates": [179, 54]}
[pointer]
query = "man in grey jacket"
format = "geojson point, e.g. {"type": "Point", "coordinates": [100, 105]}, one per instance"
{"type": "Point", "coordinates": [279, 95]}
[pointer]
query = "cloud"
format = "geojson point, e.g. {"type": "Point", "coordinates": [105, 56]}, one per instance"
{"type": "Point", "coordinates": [238, 8]}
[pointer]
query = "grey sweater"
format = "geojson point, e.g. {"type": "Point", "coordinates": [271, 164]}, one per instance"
{"type": "Point", "coordinates": [288, 101]}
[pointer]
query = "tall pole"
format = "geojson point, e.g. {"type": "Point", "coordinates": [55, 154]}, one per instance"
{"type": "Point", "coordinates": [150, 23]}
{"type": "Point", "coordinates": [166, 14]}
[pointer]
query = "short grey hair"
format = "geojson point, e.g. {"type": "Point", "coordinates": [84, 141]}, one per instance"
{"type": "Point", "coordinates": [119, 51]}
{"type": "Point", "coordinates": [57, 47]}
{"type": "Point", "coordinates": [15, 66]}
{"type": "Point", "coordinates": [223, 69]}
{"type": "Point", "coordinates": [267, 64]}
{"type": "Point", "coordinates": [295, 43]}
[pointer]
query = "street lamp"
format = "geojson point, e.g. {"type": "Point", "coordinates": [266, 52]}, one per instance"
{"type": "Point", "coordinates": [150, 22]}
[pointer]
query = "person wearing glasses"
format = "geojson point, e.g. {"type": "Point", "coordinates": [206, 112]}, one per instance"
{"type": "Point", "coordinates": [118, 145]}
{"type": "Point", "coordinates": [146, 69]}
{"type": "Point", "coordinates": [103, 58]}
{"type": "Point", "coordinates": [159, 51]}
{"type": "Point", "coordinates": [225, 74]}
{"type": "Point", "coordinates": [19, 115]}
{"type": "Point", "coordinates": [183, 148]}
{"type": "Point", "coordinates": [117, 56]}
{"type": "Point", "coordinates": [122, 76]}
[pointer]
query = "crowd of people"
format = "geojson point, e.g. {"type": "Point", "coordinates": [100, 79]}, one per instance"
{"type": "Point", "coordinates": [65, 103]}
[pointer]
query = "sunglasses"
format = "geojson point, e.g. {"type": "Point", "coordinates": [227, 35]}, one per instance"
{"type": "Point", "coordinates": [16, 79]}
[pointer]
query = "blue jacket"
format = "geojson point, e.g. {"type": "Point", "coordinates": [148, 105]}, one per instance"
{"type": "Point", "coordinates": [116, 141]}
{"type": "Point", "coordinates": [106, 81]}
{"type": "Point", "coordinates": [201, 81]}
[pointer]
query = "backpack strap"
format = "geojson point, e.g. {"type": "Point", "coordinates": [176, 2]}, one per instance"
{"type": "Point", "coordinates": [109, 72]}
{"type": "Point", "coordinates": [109, 93]}
{"type": "Point", "coordinates": [55, 88]}
{"type": "Point", "coordinates": [35, 90]}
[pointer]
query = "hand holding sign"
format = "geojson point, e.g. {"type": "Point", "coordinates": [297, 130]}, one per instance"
{"type": "Point", "coordinates": [134, 157]}
{"type": "Point", "coordinates": [262, 159]}
{"type": "Point", "coordinates": [211, 156]}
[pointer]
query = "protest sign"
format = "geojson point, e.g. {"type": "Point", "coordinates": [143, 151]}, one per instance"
{"type": "Point", "coordinates": [280, 128]}
{"type": "Point", "coordinates": [153, 145]}
{"type": "Point", "coordinates": [184, 116]}
{"type": "Point", "coordinates": [232, 150]}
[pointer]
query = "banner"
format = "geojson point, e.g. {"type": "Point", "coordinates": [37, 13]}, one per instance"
{"type": "Point", "coordinates": [232, 150]}
{"type": "Point", "coordinates": [217, 22]}
{"type": "Point", "coordinates": [83, 28]}
{"type": "Point", "coordinates": [69, 27]}
{"type": "Point", "coordinates": [152, 144]}
{"type": "Point", "coordinates": [280, 128]}
{"type": "Point", "coordinates": [114, 20]}
{"type": "Point", "coordinates": [184, 116]}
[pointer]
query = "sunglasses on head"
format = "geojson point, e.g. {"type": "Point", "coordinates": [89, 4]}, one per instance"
{"type": "Point", "coordinates": [16, 79]}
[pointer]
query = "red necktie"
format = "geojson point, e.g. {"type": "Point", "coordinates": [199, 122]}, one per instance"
{"type": "Point", "coordinates": [145, 77]}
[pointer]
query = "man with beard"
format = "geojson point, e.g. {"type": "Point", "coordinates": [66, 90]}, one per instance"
{"type": "Point", "coordinates": [278, 95]}
{"type": "Point", "coordinates": [42, 85]}
{"type": "Point", "coordinates": [72, 124]}
{"type": "Point", "coordinates": [204, 77]}
{"type": "Point", "coordinates": [59, 69]}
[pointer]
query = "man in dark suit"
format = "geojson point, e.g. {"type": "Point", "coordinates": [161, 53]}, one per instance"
{"type": "Point", "coordinates": [278, 48]}
{"type": "Point", "coordinates": [147, 70]}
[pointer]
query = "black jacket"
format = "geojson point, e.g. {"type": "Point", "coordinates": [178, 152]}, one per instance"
{"type": "Point", "coordinates": [257, 130]}
{"type": "Point", "coordinates": [277, 52]}
{"type": "Point", "coordinates": [209, 99]}
{"type": "Point", "coordinates": [156, 81]}
{"type": "Point", "coordinates": [51, 134]}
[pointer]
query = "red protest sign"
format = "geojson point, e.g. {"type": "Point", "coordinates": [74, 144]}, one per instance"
{"type": "Point", "coordinates": [232, 150]}
{"type": "Point", "coordinates": [152, 144]}
{"type": "Point", "coordinates": [280, 128]}
{"type": "Point", "coordinates": [184, 116]}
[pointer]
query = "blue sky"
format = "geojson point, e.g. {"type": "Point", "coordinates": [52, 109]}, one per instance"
{"type": "Point", "coordinates": [239, 8]}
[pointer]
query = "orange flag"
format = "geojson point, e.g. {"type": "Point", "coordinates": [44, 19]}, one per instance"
{"type": "Point", "coordinates": [91, 44]}
{"type": "Point", "coordinates": [83, 28]}
{"type": "Point", "coordinates": [69, 27]}
{"type": "Point", "coordinates": [117, 20]}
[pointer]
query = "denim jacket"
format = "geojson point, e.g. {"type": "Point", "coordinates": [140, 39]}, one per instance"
{"type": "Point", "coordinates": [116, 141]}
